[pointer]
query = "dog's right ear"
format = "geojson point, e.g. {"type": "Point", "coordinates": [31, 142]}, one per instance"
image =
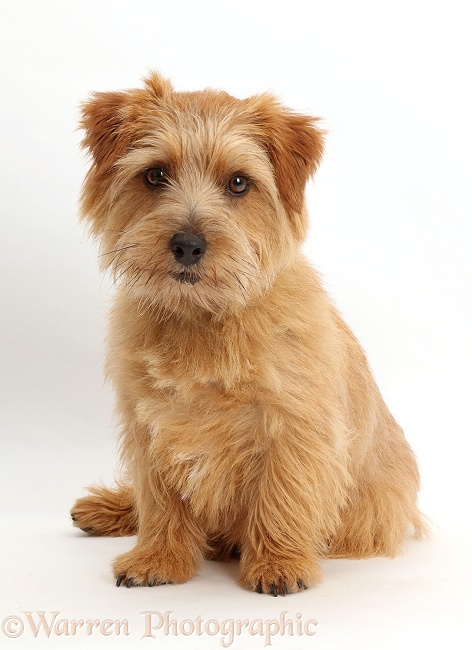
{"type": "Point", "coordinates": [109, 118]}
{"type": "Point", "coordinates": [103, 120]}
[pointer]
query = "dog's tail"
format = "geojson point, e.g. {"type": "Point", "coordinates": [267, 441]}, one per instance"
{"type": "Point", "coordinates": [421, 525]}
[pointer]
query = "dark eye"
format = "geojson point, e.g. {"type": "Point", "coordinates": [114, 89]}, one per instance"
{"type": "Point", "coordinates": [238, 185]}
{"type": "Point", "coordinates": [155, 177]}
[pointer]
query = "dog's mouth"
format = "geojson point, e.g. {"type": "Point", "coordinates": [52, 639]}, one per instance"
{"type": "Point", "coordinates": [186, 277]}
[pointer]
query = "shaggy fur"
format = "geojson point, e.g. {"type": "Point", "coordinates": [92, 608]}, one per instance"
{"type": "Point", "coordinates": [250, 421]}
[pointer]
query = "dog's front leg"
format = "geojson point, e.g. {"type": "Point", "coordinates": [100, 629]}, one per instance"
{"type": "Point", "coordinates": [293, 511]}
{"type": "Point", "coordinates": [170, 544]}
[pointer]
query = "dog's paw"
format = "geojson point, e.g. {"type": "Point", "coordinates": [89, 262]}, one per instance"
{"type": "Point", "coordinates": [144, 568]}
{"type": "Point", "coordinates": [280, 578]}
{"type": "Point", "coordinates": [85, 517]}
{"type": "Point", "coordinates": [105, 512]}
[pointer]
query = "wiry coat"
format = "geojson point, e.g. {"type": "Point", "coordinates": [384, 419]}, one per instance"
{"type": "Point", "coordinates": [250, 420]}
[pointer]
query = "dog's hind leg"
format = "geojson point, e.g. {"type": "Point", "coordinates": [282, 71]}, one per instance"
{"type": "Point", "coordinates": [382, 510]}
{"type": "Point", "coordinates": [106, 511]}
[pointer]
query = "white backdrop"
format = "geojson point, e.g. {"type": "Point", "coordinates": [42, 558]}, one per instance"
{"type": "Point", "coordinates": [391, 236]}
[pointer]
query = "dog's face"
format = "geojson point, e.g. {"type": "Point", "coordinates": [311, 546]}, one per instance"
{"type": "Point", "coordinates": [197, 198]}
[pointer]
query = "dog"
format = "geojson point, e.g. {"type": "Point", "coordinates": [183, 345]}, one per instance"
{"type": "Point", "coordinates": [251, 425]}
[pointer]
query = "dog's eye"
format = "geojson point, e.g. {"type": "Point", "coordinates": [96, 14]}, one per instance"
{"type": "Point", "coordinates": [155, 177]}
{"type": "Point", "coordinates": [238, 185]}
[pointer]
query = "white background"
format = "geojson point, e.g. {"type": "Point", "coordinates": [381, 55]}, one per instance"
{"type": "Point", "coordinates": [391, 236]}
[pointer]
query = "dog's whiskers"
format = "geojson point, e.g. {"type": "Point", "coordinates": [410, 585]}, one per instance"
{"type": "Point", "coordinates": [118, 250]}
{"type": "Point", "coordinates": [243, 261]}
{"type": "Point", "coordinates": [243, 288]}
{"type": "Point", "coordinates": [123, 273]}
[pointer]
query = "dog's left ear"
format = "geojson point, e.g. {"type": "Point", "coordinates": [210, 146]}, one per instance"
{"type": "Point", "coordinates": [295, 146]}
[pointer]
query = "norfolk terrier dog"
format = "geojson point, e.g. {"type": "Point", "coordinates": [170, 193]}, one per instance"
{"type": "Point", "coordinates": [250, 422]}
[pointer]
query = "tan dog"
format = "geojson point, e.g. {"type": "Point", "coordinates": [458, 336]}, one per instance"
{"type": "Point", "coordinates": [250, 420]}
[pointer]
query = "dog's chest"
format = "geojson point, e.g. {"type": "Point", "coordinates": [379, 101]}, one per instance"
{"type": "Point", "coordinates": [205, 418]}
{"type": "Point", "coordinates": [210, 407]}
{"type": "Point", "coordinates": [195, 356]}
{"type": "Point", "coordinates": [207, 448]}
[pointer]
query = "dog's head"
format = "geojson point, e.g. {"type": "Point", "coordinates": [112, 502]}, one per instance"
{"type": "Point", "coordinates": [198, 197]}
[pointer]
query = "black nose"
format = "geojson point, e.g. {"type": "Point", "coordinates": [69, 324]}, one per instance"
{"type": "Point", "coordinates": [187, 247]}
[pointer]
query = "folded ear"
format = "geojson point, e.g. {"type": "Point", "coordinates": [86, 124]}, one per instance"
{"type": "Point", "coordinates": [108, 118]}
{"type": "Point", "coordinates": [295, 146]}
{"type": "Point", "coordinates": [103, 121]}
